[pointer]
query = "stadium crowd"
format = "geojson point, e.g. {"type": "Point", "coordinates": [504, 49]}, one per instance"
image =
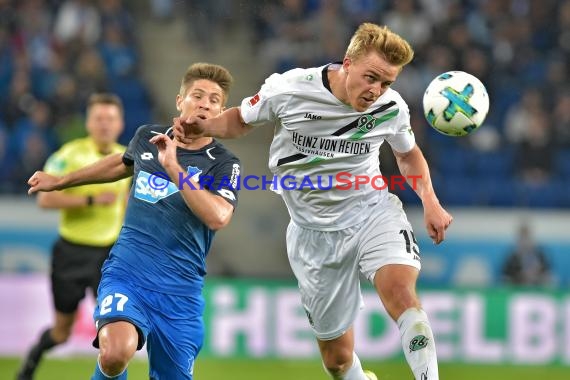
{"type": "Point", "coordinates": [53, 55]}
{"type": "Point", "coordinates": [519, 48]}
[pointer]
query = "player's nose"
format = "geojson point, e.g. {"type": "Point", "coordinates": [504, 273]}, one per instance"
{"type": "Point", "coordinates": [376, 91]}
{"type": "Point", "coordinates": [205, 103]}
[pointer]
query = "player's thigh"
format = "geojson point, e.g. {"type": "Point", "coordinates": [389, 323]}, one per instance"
{"type": "Point", "coordinates": [176, 338]}
{"type": "Point", "coordinates": [118, 300]}
{"type": "Point", "coordinates": [387, 238]}
{"type": "Point", "coordinates": [326, 267]}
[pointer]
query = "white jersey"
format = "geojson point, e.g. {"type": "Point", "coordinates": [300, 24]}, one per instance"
{"type": "Point", "coordinates": [320, 145]}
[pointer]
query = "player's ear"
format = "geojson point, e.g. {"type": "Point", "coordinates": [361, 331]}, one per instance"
{"type": "Point", "coordinates": [346, 62]}
{"type": "Point", "coordinates": [178, 103]}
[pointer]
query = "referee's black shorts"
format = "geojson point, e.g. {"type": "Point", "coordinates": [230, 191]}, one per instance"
{"type": "Point", "coordinates": [74, 268]}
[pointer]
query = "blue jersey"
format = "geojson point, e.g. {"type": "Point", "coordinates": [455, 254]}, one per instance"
{"type": "Point", "coordinates": [163, 245]}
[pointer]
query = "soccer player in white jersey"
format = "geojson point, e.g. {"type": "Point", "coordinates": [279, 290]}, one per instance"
{"type": "Point", "coordinates": [329, 122]}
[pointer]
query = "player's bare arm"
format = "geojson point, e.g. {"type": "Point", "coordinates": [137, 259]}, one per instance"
{"type": "Point", "coordinates": [59, 199]}
{"type": "Point", "coordinates": [108, 169]}
{"type": "Point", "coordinates": [212, 209]}
{"type": "Point", "coordinates": [228, 125]}
{"type": "Point", "coordinates": [414, 167]}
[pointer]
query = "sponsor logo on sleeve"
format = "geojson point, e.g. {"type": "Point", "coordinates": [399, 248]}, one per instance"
{"type": "Point", "coordinates": [254, 99]}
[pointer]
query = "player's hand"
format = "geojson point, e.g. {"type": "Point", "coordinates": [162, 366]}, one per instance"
{"type": "Point", "coordinates": [41, 181]}
{"type": "Point", "coordinates": [188, 129]}
{"type": "Point", "coordinates": [436, 219]}
{"type": "Point", "coordinates": [178, 131]}
{"type": "Point", "coordinates": [166, 149]}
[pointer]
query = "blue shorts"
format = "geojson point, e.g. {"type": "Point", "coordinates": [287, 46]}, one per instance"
{"type": "Point", "coordinates": [172, 326]}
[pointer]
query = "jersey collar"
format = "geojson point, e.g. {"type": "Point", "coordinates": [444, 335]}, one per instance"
{"type": "Point", "coordinates": [325, 76]}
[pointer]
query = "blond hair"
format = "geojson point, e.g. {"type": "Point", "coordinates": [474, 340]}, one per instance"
{"type": "Point", "coordinates": [371, 37]}
{"type": "Point", "coordinates": [209, 71]}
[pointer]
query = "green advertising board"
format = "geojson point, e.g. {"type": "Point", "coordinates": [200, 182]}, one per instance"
{"type": "Point", "coordinates": [265, 319]}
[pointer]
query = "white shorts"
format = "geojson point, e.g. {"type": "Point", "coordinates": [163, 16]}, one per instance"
{"type": "Point", "coordinates": [328, 264]}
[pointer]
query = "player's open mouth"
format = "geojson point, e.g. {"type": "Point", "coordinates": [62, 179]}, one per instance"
{"type": "Point", "coordinates": [202, 117]}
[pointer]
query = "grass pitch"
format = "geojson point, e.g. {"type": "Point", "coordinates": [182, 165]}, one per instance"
{"type": "Point", "coordinates": [269, 369]}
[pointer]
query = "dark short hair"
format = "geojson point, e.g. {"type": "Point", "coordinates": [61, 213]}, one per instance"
{"type": "Point", "coordinates": [104, 98]}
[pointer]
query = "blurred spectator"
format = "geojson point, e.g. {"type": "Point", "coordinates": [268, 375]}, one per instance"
{"type": "Point", "coordinates": [204, 16]}
{"type": "Point", "coordinates": [406, 19]}
{"type": "Point", "coordinates": [535, 153]}
{"type": "Point", "coordinates": [293, 41]}
{"type": "Point", "coordinates": [162, 10]}
{"type": "Point", "coordinates": [563, 34]}
{"type": "Point", "coordinates": [331, 34]}
{"type": "Point", "coordinates": [20, 98]}
{"type": "Point", "coordinates": [91, 73]}
{"type": "Point", "coordinates": [30, 144]}
{"type": "Point", "coordinates": [34, 20]}
{"type": "Point", "coordinates": [262, 14]}
{"type": "Point", "coordinates": [65, 99]}
{"type": "Point", "coordinates": [39, 122]}
{"type": "Point", "coordinates": [557, 78]}
{"type": "Point", "coordinates": [527, 128]}
{"type": "Point", "coordinates": [359, 11]}
{"type": "Point", "coordinates": [527, 263]}
{"type": "Point", "coordinates": [77, 20]}
{"type": "Point", "coordinates": [439, 59]}
{"type": "Point", "coordinates": [561, 119]}
{"type": "Point", "coordinates": [6, 61]}
{"type": "Point", "coordinates": [113, 12]}
{"type": "Point", "coordinates": [46, 78]}
{"type": "Point", "coordinates": [5, 162]}
{"type": "Point", "coordinates": [517, 120]}
{"type": "Point", "coordinates": [119, 56]}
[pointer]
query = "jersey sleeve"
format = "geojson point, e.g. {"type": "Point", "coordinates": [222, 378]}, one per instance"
{"type": "Point", "coordinates": [265, 106]}
{"type": "Point", "coordinates": [130, 153]}
{"type": "Point", "coordinates": [223, 180]}
{"type": "Point", "coordinates": [403, 140]}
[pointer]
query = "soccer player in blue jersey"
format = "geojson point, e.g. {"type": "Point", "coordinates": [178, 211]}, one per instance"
{"type": "Point", "coordinates": [151, 287]}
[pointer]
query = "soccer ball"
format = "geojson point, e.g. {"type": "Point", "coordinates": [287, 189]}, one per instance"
{"type": "Point", "coordinates": [455, 103]}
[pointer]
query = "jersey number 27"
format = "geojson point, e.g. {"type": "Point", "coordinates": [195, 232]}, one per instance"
{"type": "Point", "coordinates": [116, 300]}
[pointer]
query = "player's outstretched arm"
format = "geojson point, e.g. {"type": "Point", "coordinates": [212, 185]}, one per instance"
{"type": "Point", "coordinates": [228, 125]}
{"type": "Point", "coordinates": [414, 168]}
{"type": "Point", "coordinates": [108, 169]}
{"type": "Point", "coordinates": [60, 199]}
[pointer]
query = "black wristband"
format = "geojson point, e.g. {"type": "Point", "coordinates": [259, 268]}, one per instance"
{"type": "Point", "coordinates": [90, 200]}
